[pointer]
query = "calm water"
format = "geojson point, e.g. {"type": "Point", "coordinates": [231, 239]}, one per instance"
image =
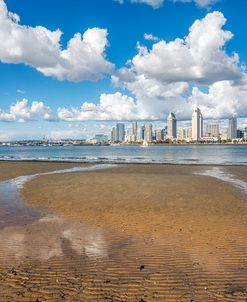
{"type": "Point", "coordinates": [194, 154]}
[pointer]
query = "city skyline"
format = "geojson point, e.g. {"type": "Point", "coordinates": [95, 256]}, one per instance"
{"type": "Point", "coordinates": [198, 131]}
{"type": "Point", "coordinates": [89, 68]}
{"type": "Point", "coordinates": [104, 128]}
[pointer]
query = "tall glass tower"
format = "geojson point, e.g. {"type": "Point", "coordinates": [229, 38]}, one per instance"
{"type": "Point", "coordinates": [197, 125]}
{"type": "Point", "coordinates": [171, 125]}
{"type": "Point", "coordinates": [120, 131]}
{"type": "Point", "coordinates": [232, 127]}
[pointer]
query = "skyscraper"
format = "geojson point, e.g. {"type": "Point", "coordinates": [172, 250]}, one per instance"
{"type": "Point", "coordinates": [142, 132]}
{"type": "Point", "coordinates": [134, 131]}
{"type": "Point", "coordinates": [197, 125]}
{"type": "Point", "coordinates": [148, 133]}
{"type": "Point", "coordinates": [232, 127]}
{"type": "Point", "coordinates": [120, 132]}
{"type": "Point", "coordinates": [113, 135]}
{"type": "Point", "coordinates": [171, 125]}
{"type": "Point", "coordinates": [245, 133]}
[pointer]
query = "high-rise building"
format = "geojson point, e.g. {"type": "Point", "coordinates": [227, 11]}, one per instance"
{"type": "Point", "coordinates": [232, 127]}
{"type": "Point", "coordinates": [148, 136]}
{"type": "Point", "coordinates": [213, 130]}
{"type": "Point", "coordinates": [142, 132]}
{"type": "Point", "coordinates": [184, 133]}
{"type": "Point", "coordinates": [159, 135]}
{"type": "Point", "coordinates": [113, 135]}
{"type": "Point", "coordinates": [165, 131]}
{"type": "Point", "coordinates": [240, 133]}
{"type": "Point", "coordinates": [245, 133]}
{"type": "Point", "coordinates": [171, 125]}
{"type": "Point", "coordinates": [197, 125]}
{"type": "Point", "coordinates": [134, 131]}
{"type": "Point", "coordinates": [120, 132]}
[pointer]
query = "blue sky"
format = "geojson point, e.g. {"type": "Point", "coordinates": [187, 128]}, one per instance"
{"type": "Point", "coordinates": [155, 80]}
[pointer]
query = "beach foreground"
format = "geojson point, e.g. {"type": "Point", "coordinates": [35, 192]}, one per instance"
{"type": "Point", "coordinates": [128, 233]}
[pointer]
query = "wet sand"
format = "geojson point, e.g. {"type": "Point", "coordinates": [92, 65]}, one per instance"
{"type": "Point", "coordinates": [13, 169]}
{"type": "Point", "coordinates": [133, 233]}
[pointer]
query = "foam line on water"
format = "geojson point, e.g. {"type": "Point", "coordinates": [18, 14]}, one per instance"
{"type": "Point", "coordinates": [21, 180]}
{"type": "Point", "coordinates": [221, 174]}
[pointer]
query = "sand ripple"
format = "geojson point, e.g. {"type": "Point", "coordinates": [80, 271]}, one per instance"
{"type": "Point", "coordinates": [57, 260]}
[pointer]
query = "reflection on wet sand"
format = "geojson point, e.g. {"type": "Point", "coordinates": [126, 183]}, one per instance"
{"type": "Point", "coordinates": [47, 238]}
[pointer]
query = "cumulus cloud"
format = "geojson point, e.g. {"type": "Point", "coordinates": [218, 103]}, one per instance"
{"type": "Point", "coordinates": [173, 76]}
{"type": "Point", "coordinates": [110, 107]}
{"type": "Point", "coordinates": [159, 3]}
{"type": "Point", "coordinates": [153, 98]}
{"type": "Point", "coordinates": [83, 59]}
{"type": "Point", "coordinates": [6, 116]}
{"type": "Point", "coordinates": [198, 57]}
{"type": "Point", "coordinates": [21, 111]}
{"type": "Point", "coordinates": [222, 99]}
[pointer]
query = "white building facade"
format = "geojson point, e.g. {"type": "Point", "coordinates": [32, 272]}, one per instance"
{"type": "Point", "coordinates": [197, 125]}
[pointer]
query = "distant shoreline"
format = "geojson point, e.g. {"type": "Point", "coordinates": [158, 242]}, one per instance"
{"type": "Point", "coordinates": [151, 144]}
{"type": "Point", "coordinates": [119, 163]}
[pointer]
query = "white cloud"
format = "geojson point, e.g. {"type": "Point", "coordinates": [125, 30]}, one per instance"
{"type": "Point", "coordinates": [111, 107]}
{"type": "Point", "coordinates": [198, 57]}
{"type": "Point", "coordinates": [222, 99]}
{"type": "Point", "coordinates": [40, 109]}
{"type": "Point", "coordinates": [22, 112]}
{"type": "Point", "coordinates": [83, 59]}
{"type": "Point", "coordinates": [150, 37]}
{"type": "Point", "coordinates": [162, 78]}
{"type": "Point", "coordinates": [153, 3]}
{"type": "Point", "coordinates": [159, 3]}
{"type": "Point", "coordinates": [200, 3]}
{"type": "Point", "coordinates": [21, 91]}
{"type": "Point", "coordinates": [6, 117]}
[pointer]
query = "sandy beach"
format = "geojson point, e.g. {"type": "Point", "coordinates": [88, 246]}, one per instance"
{"type": "Point", "coordinates": [128, 233]}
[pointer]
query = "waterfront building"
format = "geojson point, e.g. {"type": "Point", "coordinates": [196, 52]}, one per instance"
{"type": "Point", "coordinates": [159, 135]}
{"type": "Point", "coordinates": [128, 136]}
{"type": "Point", "coordinates": [148, 136]}
{"type": "Point", "coordinates": [223, 135]}
{"type": "Point", "coordinates": [142, 132]}
{"type": "Point", "coordinates": [113, 135]}
{"type": "Point", "coordinates": [240, 134]}
{"type": "Point", "coordinates": [120, 132]}
{"type": "Point", "coordinates": [212, 130]}
{"type": "Point", "coordinates": [101, 139]}
{"type": "Point", "coordinates": [165, 131]}
{"type": "Point", "coordinates": [190, 133]}
{"type": "Point", "coordinates": [245, 133]}
{"type": "Point", "coordinates": [134, 132]}
{"type": "Point", "coordinates": [197, 125]}
{"type": "Point", "coordinates": [184, 133]}
{"type": "Point", "coordinates": [171, 125]}
{"type": "Point", "coordinates": [232, 127]}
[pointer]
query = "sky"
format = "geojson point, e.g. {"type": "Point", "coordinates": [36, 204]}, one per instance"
{"type": "Point", "coordinates": [71, 69]}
